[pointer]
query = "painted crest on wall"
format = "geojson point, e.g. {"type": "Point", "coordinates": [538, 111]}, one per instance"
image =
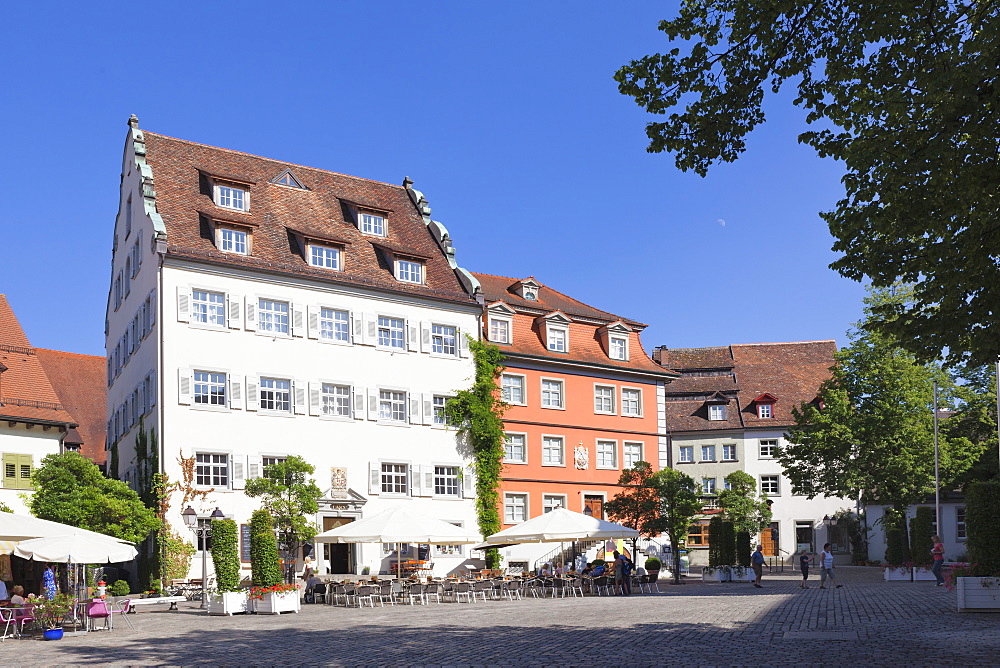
{"type": "Point", "coordinates": [581, 456]}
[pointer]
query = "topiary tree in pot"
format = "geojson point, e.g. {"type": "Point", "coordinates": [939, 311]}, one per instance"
{"type": "Point", "coordinates": [265, 564]}
{"type": "Point", "coordinates": [653, 566]}
{"type": "Point", "coordinates": [921, 530]}
{"type": "Point", "coordinates": [226, 559]}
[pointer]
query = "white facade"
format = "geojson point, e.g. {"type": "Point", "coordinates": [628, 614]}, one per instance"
{"type": "Point", "coordinates": [952, 530]}
{"type": "Point", "coordinates": [24, 445]}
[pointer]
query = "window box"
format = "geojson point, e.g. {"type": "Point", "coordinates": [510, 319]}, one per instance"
{"type": "Point", "coordinates": [228, 603]}
{"type": "Point", "coordinates": [978, 594]}
{"type": "Point", "coordinates": [276, 603]}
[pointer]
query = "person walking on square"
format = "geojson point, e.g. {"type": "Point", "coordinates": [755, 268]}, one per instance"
{"type": "Point", "coordinates": [804, 559]}
{"type": "Point", "coordinates": [938, 552]}
{"type": "Point", "coordinates": [826, 568]}
{"type": "Point", "coordinates": [757, 562]}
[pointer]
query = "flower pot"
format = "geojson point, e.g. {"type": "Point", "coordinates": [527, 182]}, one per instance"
{"type": "Point", "coordinates": [275, 603]}
{"type": "Point", "coordinates": [227, 603]}
{"type": "Point", "coordinates": [923, 574]}
{"type": "Point", "coordinates": [978, 594]}
{"type": "Point", "coordinates": [53, 634]}
{"type": "Point", "coordinates": [897, 574]}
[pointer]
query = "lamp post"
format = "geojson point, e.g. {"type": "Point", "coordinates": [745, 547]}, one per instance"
{"type": "Point", "coordinates": [829, 522]}
{"type": "Point", "coordinates": [201, 532]}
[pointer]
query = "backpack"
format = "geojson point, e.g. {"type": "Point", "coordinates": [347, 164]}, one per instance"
{"type": "Point", "coordinates": [627, 566]}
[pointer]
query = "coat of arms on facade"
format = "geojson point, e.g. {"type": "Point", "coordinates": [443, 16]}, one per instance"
{"type": "Point", "coordinates": [338, 478]}
{"type": "Point", "coordinates": [581, 456]}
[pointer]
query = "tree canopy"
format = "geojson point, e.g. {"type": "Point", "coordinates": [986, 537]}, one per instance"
{"type": "Point", "coordinates": [743, 505]}
{"type": "Point", "coordinates": [69, 488]}
{"type": "Point", "coordinates": [904, 94]}
{"type": "Point", "coordinates": [678, 504]}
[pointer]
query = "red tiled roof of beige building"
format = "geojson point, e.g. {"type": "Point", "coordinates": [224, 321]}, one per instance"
{"type": "Point", "coordinates": [80, 382]}
{"type": "Point", "coordinates": [25, 390]}
{"type": "Point", "coordinates": [183, 172]}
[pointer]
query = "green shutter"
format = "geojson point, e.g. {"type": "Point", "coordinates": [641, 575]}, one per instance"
{"type": "Point", "coordinates": [9, 470]}
{"type": "Point", "coordinates": [25, 469]}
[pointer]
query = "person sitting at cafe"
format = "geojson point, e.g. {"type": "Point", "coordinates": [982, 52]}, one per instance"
{"type": "Point", "coordinates": [559, 570]}
{"type": "Point", "coordinates": [587, 570]}
{"type": "Point", "coordinates": [546, 571]}
{"type": "Point", "coordinates": [599, 570]}
{"type": "Point", "coordinates": [17, 595]}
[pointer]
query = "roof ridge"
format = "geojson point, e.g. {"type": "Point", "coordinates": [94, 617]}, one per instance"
{"type": "Point", "coordinates": [67, 352]}
{"type": "Point", "coordinates": [613, 316]}
{"type": "Point", "coordinates": [783, 343]}
{"type": "Point", "coordinates": [275, 160]}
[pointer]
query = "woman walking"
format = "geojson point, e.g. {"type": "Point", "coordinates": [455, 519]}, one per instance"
{"type": "Point", "coordinates": [938, 552]}
{"type": "Point", "coordinates": [826, 568]}
{"type": "Point", "coordinates": [804, 560]}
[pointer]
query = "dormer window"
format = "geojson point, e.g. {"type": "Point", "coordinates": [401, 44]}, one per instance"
{"type": "Point", "coordinates": [500, 320]}
{"type": "Point", "coordinates": [556, 339]}
{"type": "Point", "coordinates": [531, 294]}
{"type": "Point", "coordinates": [618, 348]}
{"type": "Point", "coordinates": [554, 329]}
{"type": "Point", "coordinates": [499, 330]}
{"type": "Point", "coordinates": [233, 240]}
{"type": "Point", "coordinates": [614, 337]}
{"type": "Point", "coordinates": [527, 289]}
{"type": "Point", "coordinates": [286, 179]}
{"type": "Point", "coordinates": [325, 257]}
{"type": "Point", "coordinates": [716, 411]}
{"type": "Point", "coordinates": [409, 271]}
{"type": "Point", "coordinates": [372, 223]}
{"type": "Point", "coordinates": [765, 406]}
{"type": "Point", "coordinates": [231, 196]}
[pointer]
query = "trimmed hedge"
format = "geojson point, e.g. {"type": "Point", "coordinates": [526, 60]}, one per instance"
{"type": "Point", "coordinates": [225, 555]}
{"type": "Point", "coordinates": [265, 563]}
{"type": "Point", "coordinates": [921, 530]}
{"type": "Point", "coordinates": [715, 540]}
{"type": "Point", "coordinates": [982, 508]}
{"type": "Point", "coordinates": [744, 548]}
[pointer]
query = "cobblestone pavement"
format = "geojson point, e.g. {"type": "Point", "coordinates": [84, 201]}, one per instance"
{"type": "Point", "coordinates": [867, 622]}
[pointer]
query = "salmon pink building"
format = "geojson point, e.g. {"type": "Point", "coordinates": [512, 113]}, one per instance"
{"type": "Point", "coordinates": [585, 402]}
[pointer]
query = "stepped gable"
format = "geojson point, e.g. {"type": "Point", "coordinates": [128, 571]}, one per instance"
{"type": "Point", "coordinates": [278, 214]}
{"type": "Point", "coordinates": [790, 372]}
{"type": "Point", "coordinates": [26, 394]}
{"type": "Point", "coordinates": [80, 383]}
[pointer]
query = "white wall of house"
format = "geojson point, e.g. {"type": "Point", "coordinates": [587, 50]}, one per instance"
{"type": "Point", "coordinates": [26, 445]}
{"type": "Point", "coordinates": [952, 530]}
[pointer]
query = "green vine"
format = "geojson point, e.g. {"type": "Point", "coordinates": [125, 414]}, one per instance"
{"type": "Point", "coordinates": [478, 412]}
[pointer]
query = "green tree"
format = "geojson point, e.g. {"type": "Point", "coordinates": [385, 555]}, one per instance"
{"type": "Point", "coordinates": [637, 504]}
{"type": "Point", "coordinates": [873, 438]}
{"type": "Point", "coordinates": [225, 555]}
{"type": "Point", "coordinates": [291, 497]}
{"type": "Point", "coordinates": [265, 566]}
{"type": "Point", "coordinates": [69, 488]}
{"type": "Point", "coordinates": [982, 505]}
{"type": "Point", "coordinates": [678, 504]}
{"type": "Point", "coordinates": [746, 509]}
{"type": "Point", "coordinates": [901, 93]}
{"type": "Point", "coordinates": [976, 420]}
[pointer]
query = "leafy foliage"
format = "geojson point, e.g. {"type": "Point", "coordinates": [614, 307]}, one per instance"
{"type": "Point", "coordinates": [921, 530]}
{"type": "Point", "coordinates": [897, 549]}
{"type": "Point", "coordinates": [743, 505]}
{"type": "Point", "coordinates": [69, 488]}
{"type": "Point", "coordinates": [478, 412]}
{"type": "Point", "coordinates": [120, 588]}
{"type": "Point", "coordinates": [637, 504]}
{"type": "Point", "coordinates": [904, 94]}
{"type": "Point", "coordinates": [50, 614]}
{"type": "Point", "coordinates": [678, 504]}
{"type": "Point", "coordinates": [291, 497]}
{"type": "Point", "coordinates": [976, 420]}
{"type": "Point", "coordinates": [743, 548]}
{"type": "Point", "coordinates": [982, 507]}
{"type": "Point", "coordinates": [716, 543]}
{"type": "Point", "coordinates": [264, 561]}
{"type": "Point", "coordinates": [177, 557]}
{"type": "Point", "coordinates": [225, 555]}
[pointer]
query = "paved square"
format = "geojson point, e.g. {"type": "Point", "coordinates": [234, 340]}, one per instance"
{"type": "Point", "coordinates": [868, 622]}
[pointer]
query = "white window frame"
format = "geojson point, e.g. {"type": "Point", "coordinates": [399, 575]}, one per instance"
{"type": "Point", "coordinates": [546, 439]}
{"type": "Point", "coordinates": [437, 416]}
{"type": "Point", "coordinates": [444, 340]}
{"type": "Point", "coordinates": [552, 501]}
{"type": "Point", "coordinates": [709, 486]}
{"type": "Point", "coordinates": [509, 517]}
{"type": "Point", "coordinates": [765, 408]}
{"type": "Point", "coordinates": [323, 256]}
{"type": "Point", "coordinates": [681, 450]}
{"type": "Point", "coordinates": [395, 476]}
{"type": "Point", "coordinates": [625, 404]}
{"type": "Point", "coordinates": [708, 449]}
{"type": "Point", "coordinates": [373, 223]}
{"type": "Point", "coordinates": [717, 412]}
{"type": "Point", "coordinates": [524, 447]}
{"type": "Point", "coordinates": [389, 398]}
{"type": "Point", "coordinates": [213, 467]}
{"type": "Point", "coordinates": [200, 307]}
{"type": "Point", "coordinates": [556, 338]}
{"type": "Point", "coordinates": [524, 389]}
{"type": "Point", "coordinates": [546, 394]}
{"type": "Point", "coordinates": [236, 242]}
{"type": "Point", "coordinates": [495, 332]}
{"type": "Point", "coordinates": [619, 345]}
{"type": "Point", "coordinates": [960, 526]}
{"type": "Point", "coordinates": [726, 447]}
{"type": "Point", "coordinates": [224, 196]}
{"type": "Point", "coordinates": [330, 397]}
{"type": "Point", "coordinates": [770, 444]}
{"type": "Point", "coordinates": [627, 459]}
{"type": "Point", "coordinates": [390, 328]}
{"type": "Point", "coordinates": [409, 271]}
{"type": "Point", "coordinates": [273, 326]}
{"type": "Point", "coordinates": [275, 390]}
{"type": "Point", "coordinates": [342, 337]}
{"type": "Point", "coordinates": [213, 381]}
{"type": "Point", "coordinates": [445, 477]}
{"type": "Point", "coordinates": [777, 484]}
{"type": "Point", "coordinates": [604, 404]}
{"type": "Point", "coordinates": [601, 450]}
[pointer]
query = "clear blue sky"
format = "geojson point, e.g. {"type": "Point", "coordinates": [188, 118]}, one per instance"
{"type": "Point", "coordinates": [505, 115]}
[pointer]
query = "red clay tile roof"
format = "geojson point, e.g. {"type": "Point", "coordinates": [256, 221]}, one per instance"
{"type": "Point", "coordinates": [25, 390]}
{"type": "Point", "coordinates": [80, 382]}
{"type": "Point", "coordinates": [791, 372]}
{"type": "Point", "coordinates": [717, 357]}
{"type": "Point", "coordinates": [182, 173]}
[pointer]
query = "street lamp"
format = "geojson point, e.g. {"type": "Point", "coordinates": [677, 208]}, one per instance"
{"type": "Point", "coordinates": [829, 522]}
{"type": "Point", "coordinates": [201, 532]}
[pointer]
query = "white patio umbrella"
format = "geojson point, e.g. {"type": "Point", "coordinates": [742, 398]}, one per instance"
{"type": "Point", "coordinates": [399, 525]}
{"type": "Point", "coordinates": [15, 528]}
{"type": "Point", "coordinates": [76, 548]}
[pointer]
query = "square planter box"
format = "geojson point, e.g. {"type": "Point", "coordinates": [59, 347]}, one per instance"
{"type": "Point", "coordinates": [274, 604]}
{"type": "Point", "coordinates": [720, 574]}
{"type": "Point", "coordinates": [978, 594]}
{"type": "Point", "coordinates": [228, 603]}
{"type": "Point", "coordinates": [923, 574]}
{"type": "Point", "coordinates": [897, 574]}
{"type": "Point", "coordinates": [747, 576]}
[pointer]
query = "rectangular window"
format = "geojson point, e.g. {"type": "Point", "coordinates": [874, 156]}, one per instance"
{"type": "Point", "coordinates": [512, 389]}
{"type": "Point", "coordinates": [552, 394]}
{"type": "Point", "coordinates": [631, 402]}
{"type": "Point", "coordinates": [394, 478]}
{"type": "Point", "coordinates": [960, 523]}
{"type": "Point", "coordinates": [716, 411]}
{"type": "Point", "coordinates": [446, 481]}
{"type": "Point", "coordinates": [391, 333]}
{"type": "Point", "coordinates": [409, 271]}
{"type": "Point", "coordinates": [729, 453]}
{"type": "Point", "coordinates": [334, 325]}
{"type": "Point", "coordinates": [514, 449]}
{"type": "Point", "coordinates": [767, 447]}
{"type": "Point", "coordinates": [325, 257]}
{"type": "Point", "coordinates": [708, 453]}
{"type": "Point", "coordinates": [372, 224]}
{"type": "Point", "coordinates": [557, 339]}
{"type": "Point", "coordinates": [769, 485]}
{"type": "Point", "coordinates": [17, 471]}
{"type": "Point", "coordinates": [204, 537]}
{"type": "Point", "coordinates": [233, 241]}
{"type": "Point", "coordinates": [499, 330]}
{"type": "Point", "coordinates": [552, 501]}
{"type": "Point", "coordinates": [515, 508]}
{"type": "Point", "coordinates": [444, 340]}
{"type": "Point", "coordinates": [552, 450]}
{"type": "Point", "coordinates": [708, 486]}
{"type": "Point", "coordinates": [335, 400]}
{"type": "Point", "coordinates": [230, 197]}
{"type": "Point", "coordinates": [698, 534]}
{"type": "Point", "coordinates": [764, 411]}
{"type": "Point", "coordinates": [607, 455]}
{"type": "Point", "coordinates": [618, 348]}
{"type": "Point", "coordinates": [686, 453]}
{"type": "Point", "coordinates": [604, 399]}
{"type": "Point", "coordinates": [208, 308]}
{"type": "Point", "coordinates": [265, 462]}
{"type": "Point", "coordinates": [272, 316]}
{"type": "Point", "coordinates": [275, 395]}
{"type": "Point", "coordinates": [631, 454]}
{"type": "Point", "coordinates": [209, 388]}
{"type": "Point", "coordinates": [211, 470]}
{"type": "Point", "coordinates": [392, 405]}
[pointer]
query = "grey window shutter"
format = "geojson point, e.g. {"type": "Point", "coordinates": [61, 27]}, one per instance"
{"type": "Point", "coordinates": [234, 319]}
{"type": "Point", "coordinates": [414, 409]}
{"type": "Point", "coordinates": [152, 389]}
{"type": "Point", "coordinates": [314, 398]}
{"type": "Point", "coordinates": [251, 312]}
{"type": "Point", "coordinates": [152, 308]}
{"type": "Point", "coordinates": [428, 401]}
{"type": "Point", "coordinates": [469, 482]}
{"type": "Point", "coordinates": [252, 399]}
{"type": "Point", "coordinates": [184, 386]}
{"type": "Point", "coordinates": [374, 478]}
{"type": "Point", "coordinates": [413, 337]}
{"type": "Point", "coordinates": [183, 303]}
{"type": "Point", "coordinates": [373, 404]}
{"type": "Point", "coordinates": [239, 475]}
{"type": "Point", "coordinates": [313, 316]}
{"type": "Point", "coordinates": [298, 323]}
{"type": "Point", "coordinates": [235, 393]}
{"type": "Point", "coordinates": [425, 337]}
{"type": "Point", "coordinates": [359, 402]}
{"type": "Point", "coordinates": [300, 397]}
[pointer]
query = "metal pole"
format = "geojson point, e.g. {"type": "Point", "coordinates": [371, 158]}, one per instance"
{"type": "Point", "coordinates": [937, 481]}
{"type": "Point", "coordinates": [202, 533]}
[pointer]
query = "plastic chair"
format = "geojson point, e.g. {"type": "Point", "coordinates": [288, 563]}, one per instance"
{"type": "Point", "coordinates": [319, 592]}
{"type": "Point", "coordinates": [364, 593]}
{"type": "Point", "coordinates": [125, 607]}
{"type": "Point", "coordinates": [575, 585]}
{"type": "Point", "coordinates": [460, 589]}
{"type": "Point", "coordinates": [434, 589]}
{"type": "Point", "coordinates": [98, 609]}
{"type": "Point", "coordinates": [24, 616]}
{"type": "Point", "coordinates": [599, 583]}
{"type": "Point", "coordinates": [511, 589]}
{"type": "Point", "coordinates": [7, 618]}
{"type": "Point", "coordinates": [416, 591]}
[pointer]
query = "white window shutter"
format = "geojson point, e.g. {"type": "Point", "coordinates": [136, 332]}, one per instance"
{"type": "Point", "coordinates": [371, 329]}
{"type": "Point", "coordinates": [413, 337]}
{"type": "Point", "coordinates": [463, 343]}
{"type": "Point", "coordinates": [234, 303]}
{"type": "Point", "coordinates": [428, 401]}
{"type": "Point", "coordinates": [359, 329]}
{"type": "Point", "coordinates": [314, 398]}
{"type": "Point", "coordinates": [359, 402]}
{"type": "Point", "coordinates": [251, 312]}
{"type": "Point", "coordinates": [414, 408]}
{"type": "Point", "coordinates": [373, 404]}
{"type": "Point", "coordinates": [429, 480]}
{"type": "Point", "coordinates": [313, 318]}
{"type": "Point", "coordinates": [416, 481]}
{"type": "Point", "coordinates": [235, 393]}
{"type": "Point", "coordinates": [425, 337]}
{"type": "Point", "coordinates": [255, 465]}
{"type": "Point", "coordinates": [239, 474]}
{"type": "Point", "coordinates": [183, 303]}
{"type": "Point", "coordinates": [184, 380]}
{"type": "Point", "coordinates": [469, 482]}
{"type": "Point", "coordinates": [152, 389]}
{"type": "Point", "coordinates": [300, 397]}
{"type": "Point", "coordinates": [152, 308]}
{"type": "Point", "coordinates": [298, 323]}
{"type": "Point", "coordinates": [253, 401]}
{"type": "Point", "coordinates": [374, 478]}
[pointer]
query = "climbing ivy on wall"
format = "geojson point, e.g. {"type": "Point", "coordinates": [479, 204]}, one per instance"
{"type": "Point", "coordinates": [478, 412]}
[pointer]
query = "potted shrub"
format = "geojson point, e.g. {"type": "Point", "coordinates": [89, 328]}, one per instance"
{"type": "Point", "coordinates": [978, 586]}
{"type": "Point", "coordinates": [898, 573]}
{"type": "Point", "coordinates": [269, 594]}
{"type": "Point", "coordinates": [921, 531]}
{"type": "Point", "coordinates": [653, 566]}
{"type": "Point", "coordinates": [715, 574]}
{"type": "Point", "coordinates": [740, 573]}
{"type": "Point", "coordinates": [228, 598]}
{"type": "Point", "coordinates": [50, 614]}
